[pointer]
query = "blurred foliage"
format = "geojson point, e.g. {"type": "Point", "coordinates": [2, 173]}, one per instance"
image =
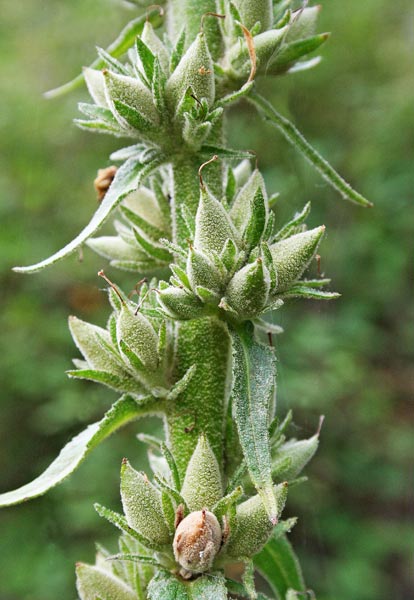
{"type": "Point", "coordinates": [356, 529]}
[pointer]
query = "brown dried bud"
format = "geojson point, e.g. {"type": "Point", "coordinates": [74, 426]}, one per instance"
{"type": "Point", "coordinates": [103, 180]}
{"type": "Point", "coordinates": [197, 541]}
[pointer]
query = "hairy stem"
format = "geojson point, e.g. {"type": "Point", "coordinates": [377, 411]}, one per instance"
{"type": "Point", "coordinates": [201, 408]}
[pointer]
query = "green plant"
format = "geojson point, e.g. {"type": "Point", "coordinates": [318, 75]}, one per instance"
{"type": "Point", "coordinates": [196, 349]}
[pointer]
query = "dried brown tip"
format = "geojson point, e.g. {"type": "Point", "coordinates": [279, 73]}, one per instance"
{"type": "Point", "coordinates": [154, 7]}
{"type": "Point", "coordinates": [209, 14]}
{"type": "Point", "coordinates": [112, 285]}
{"type": "Point", "coordinates": [103, 181]}
{"type": "Point", "coordinates": [252, 51]}
{"type": "Point", "coordinates": [214, 158]}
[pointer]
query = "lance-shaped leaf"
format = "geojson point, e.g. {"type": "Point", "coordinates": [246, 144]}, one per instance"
{"type": "Point", "coordinates": [294, 136]}
{"type": "Point", "coordinates": [123, 411]}
{"type": "Point", "coordinates": [126, 180]}
{"type": "Point", "coordinates": [278, 563]}
{"type": "Point", "coordinates": [253, 389]}
{"type": "Point", "coordinates": [293, 456]}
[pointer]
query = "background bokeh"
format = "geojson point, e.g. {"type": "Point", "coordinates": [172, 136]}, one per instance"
{"type": "Point", "coordinates": [351, 360]}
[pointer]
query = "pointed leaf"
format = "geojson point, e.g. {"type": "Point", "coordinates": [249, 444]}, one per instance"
{"type": "Point", "coordinates": [126, 180]}
{"type": "Point", "coordinates": [123, 411]}
{"type": "Point", "coordinates": [279, 565]}
{"type": "Point", "coordinates": [253, 388]}
{"type": "Point", "coordinates": [294, 136]}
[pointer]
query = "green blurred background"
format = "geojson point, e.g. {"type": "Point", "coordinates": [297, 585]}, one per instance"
{"type": "Point", "coordinates": [350, 360]}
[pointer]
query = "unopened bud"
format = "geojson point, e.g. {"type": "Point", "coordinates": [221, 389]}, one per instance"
{"type": "Point", "coordinates": [197, 541]}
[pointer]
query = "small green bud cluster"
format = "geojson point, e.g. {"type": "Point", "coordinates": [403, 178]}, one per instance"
{"type": "Point", "coordinates": [278, 38]}
{"type": "Point", "coordinates": [176, 91]}
{"type": "Point", "coordinates": [161, 95]}
{"type": "Point", "coordinates": [236, 264]}
{"type": "Point", "coordinates": [186, 527]}
{"type": "Point", "coordinates": [133, 354]}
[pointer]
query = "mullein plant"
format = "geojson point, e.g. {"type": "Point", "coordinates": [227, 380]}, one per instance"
{"type": "Point", "coordinates": [195, 224]}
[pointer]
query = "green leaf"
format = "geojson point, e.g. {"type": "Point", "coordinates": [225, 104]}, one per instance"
{"type": "Point", "coordinates": [294, 136]}
{"type": "Point", "coordinates": [122, 524]}
{"type": "Point", "coordinates": [96, 583]}
{"type": "Point", "coordinates": [278, 563]}
{"type": "Point", "coordinates": [235, 96]}
{"type": "Point", "coordinates": [303, 291]}
{"type": "Point", "coordinates": [123, 42]}
{"type": "Point", "coordinates": [295, 50]}
{"type": "Point", "coordinates": [115, 382]}
{"type": "Point", "coordinates": [146, 58]}
{"type": "Point", "coordinates": [112, 62]}
{"type": "Point", "coordinates": [133, 117]}
{"type": "Point", "coordinates": [148, 560]}
{"type": "Point", "coordinates": [228, 153]}
{"type": "Point", "coordinates": [127, 179]}
{"type": "Point", "coordinates": [253, 388]}
{"type": "Point", "coordinates": [165, 586]}
{"type": "Point", "coordinates": [122, 412]}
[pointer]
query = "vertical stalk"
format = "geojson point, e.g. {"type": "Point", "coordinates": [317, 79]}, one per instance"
{"type": "Point", "coordinates": [202, 407]}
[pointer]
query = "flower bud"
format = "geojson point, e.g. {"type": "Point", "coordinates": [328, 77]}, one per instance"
{"type": "Point", "coordinates": [202, 485]}
{"type": "Point", "coordinates": [86, 337]}
{"type": "Point", "coordinates": [259, 10]}
{"type": "Point", "coordinates": [180, 304]}
{"type": "Point", "coordinates": [213, 227]}
{"type": "Point", "coordinates": [248, 291]}
{"type": "Point", "coordinates": [240, 211]}
{"type": "Point", "coordinates": [303, 23]}
{"type": "Point", "coordinates": [292, 457]}
{"type": "Point", "coordinates": [197, 541]}
{"type": "Point", "coordinates": [137, 332]}
{"type": "Point", "coordinates": [202, 272]}
{"type": "Point", "coordinates": [142, 505]}
{"type": "Point", "coordinates": [156, 46]}
{"type": "Point", "coordinates": [292, 255]}
{"type": "Point", "coordinates": [266, 45]}
{"type": "Point", "coordinates": [131, 92]}
{"type": "Point", "coordinates": [194, 70]}
{"type": "Point", "coordinates": [251, 527]}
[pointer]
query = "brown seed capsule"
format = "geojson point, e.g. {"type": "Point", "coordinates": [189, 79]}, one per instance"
{"type": "Point", "coordinates": [103, 181]}
{"type": "Point", "coordinates": [196, 542]}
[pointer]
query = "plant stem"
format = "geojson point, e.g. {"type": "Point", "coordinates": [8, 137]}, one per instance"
{"type": "Point", "coordinates": [293, 135]}
{"type": "Point", "coordinates": [202, 407]}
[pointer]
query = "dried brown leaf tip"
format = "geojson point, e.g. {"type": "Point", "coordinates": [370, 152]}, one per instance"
{"type": "Point", "coordinates": [103, 180]}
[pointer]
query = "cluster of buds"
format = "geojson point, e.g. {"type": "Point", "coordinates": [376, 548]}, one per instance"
{"type": "Point", "coordinates": [133, 354]}
{"type": "Point", "coordinates": [186, 527]}
{"type": "Point", "coordinates": [163, 94]}
{"type": "Point", "coordinates": [277, 37]}
{"type": "Point", "coordinates": [169, 91]}
{"type": "Point", "coordinates": [236, 263]}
